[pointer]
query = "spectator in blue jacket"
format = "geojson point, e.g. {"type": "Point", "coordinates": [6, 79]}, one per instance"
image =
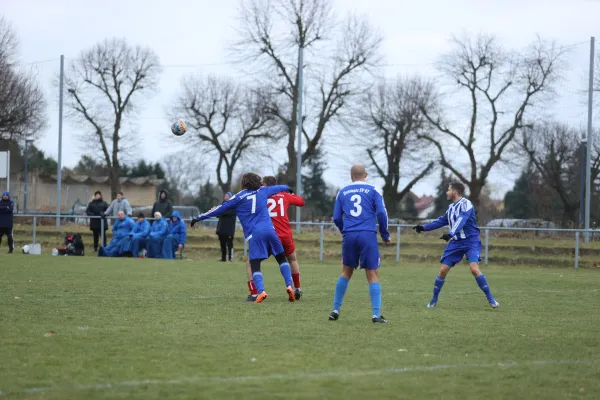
{"type": "Point", "coordinates": [137, 238]}
{"type": "Point", "coordinates": [121, 230]}
{"type": "Point", "coordinates": [175, 240]}
{"type": "Point", "coordinates": [158, 232]}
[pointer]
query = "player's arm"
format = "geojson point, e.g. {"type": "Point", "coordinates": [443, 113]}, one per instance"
{"type": "Point", "coordinates": [295, 200]}
{"type": "Point", "coordinates": [382, 217]}
{"type": "Point", "coordinates": [271, 190]}
{"type": "Point", "coordinates": [338, 219]}
{"type": "Point", "coordinates": [438, 223]}
{"type": "Point", "coordinates": [226, 206]}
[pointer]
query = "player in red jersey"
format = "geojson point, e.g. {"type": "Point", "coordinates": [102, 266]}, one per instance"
{"type": "Point", "coordinates": [278, 209]}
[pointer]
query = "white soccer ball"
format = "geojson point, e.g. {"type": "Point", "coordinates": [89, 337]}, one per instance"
{"type": "Point", "coordinates": [54, 252]}
{"type": "Point", "coordinates": [25, 249]}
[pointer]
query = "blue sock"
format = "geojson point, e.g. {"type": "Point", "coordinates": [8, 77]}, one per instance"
{"type": "Point", "coordinates": [437, 287]}
{"type": "Point", "coordinates": [286, 272]}
{"type": "Point", "coordinates": [340, 291]}
{"type": "Point", "coordinates": [375, 293]}
{"type": "Point", "coordinates": [483, 285]}
{"type": "Point", "coordinates": [258, 282]}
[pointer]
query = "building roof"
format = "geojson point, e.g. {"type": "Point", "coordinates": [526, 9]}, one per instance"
{"type": "Point", "coordinates": [91, 180]}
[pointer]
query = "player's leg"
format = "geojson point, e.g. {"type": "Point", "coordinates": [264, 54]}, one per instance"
{"type": "Point", "coordinates": [474, 257]}
{"type": "Point", "coordinates": [257, 277]}
{"type": "Point", "coordinates": [293, 260]}
{"type": "Point", "coordinates": [370, 260]}
{"type": "Point", "coordinates": [96, 233]}
{"type": "Point", "coordinates": [251, 285]}
{"type": "Point", "coordinates": [439, 282]}
{"type": "Point", "coordinates": [350, 258]}
{"type": "Point", "coordinates": [453, 254]}
{"type": "Point", "coordinates": [258, 251]}
{"type": "Point", "coordinates": [284, 268]}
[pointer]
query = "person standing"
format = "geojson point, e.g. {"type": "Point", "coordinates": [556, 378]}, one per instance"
{"type": "Point", "coordinates": [163, 205]}
{"type": "Point", "coordinates": [226, 231]}
{"type": "Point", "coordinates": [7, 211]}
{"type": "Point", "coordinates": [119, 204]}
{"type": "Point", "coordinates": [97, 208]}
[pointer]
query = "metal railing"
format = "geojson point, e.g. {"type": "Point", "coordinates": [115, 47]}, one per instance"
{"type": "Point", "coordinates": [574, 233]}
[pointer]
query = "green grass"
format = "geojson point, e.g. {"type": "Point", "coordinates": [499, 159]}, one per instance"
{"type": "Point", "coordinates": [151, 329]}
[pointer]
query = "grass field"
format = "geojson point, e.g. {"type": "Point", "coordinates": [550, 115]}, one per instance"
{"type": "Point", "coordinates": [89, 328]}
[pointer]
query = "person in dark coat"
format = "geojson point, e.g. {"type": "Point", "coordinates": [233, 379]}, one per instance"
{"type": "Point", "coordinates": [97, 208]}
{"type": "Point", "coordinates": [163, 205]}
{"type": "Point", "coordinates": [7, 212]}
{"type": "Point", "coordinates": [226, 231]}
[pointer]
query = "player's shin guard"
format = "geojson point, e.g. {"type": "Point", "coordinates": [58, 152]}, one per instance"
{"type": "Point", "coordinates": [340, 291]}
{"type": "Point", "coordinates": [252, 288]}
{"type": "Point", "coordinates": [485, 288]}
{"type": "Point", "coordinates": [286, 272]}
{"type": "Point", "coordinates": [437, 287]}
{"type": "Point", "coordinates": [375, 293]}
{"type": "Point", "coordinates": [258, 281]}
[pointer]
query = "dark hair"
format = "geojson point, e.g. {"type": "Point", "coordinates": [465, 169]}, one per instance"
{"type": "Point", "coordinates": [98, 192]}
{"type": "Point", "coordinates": [141, 215]}
{"type": "Point", "coordinates": [458, 187]}
{"type": "Point", "coordinates": [269, 180]}
{"type": "Point", "coordinates": [119, 192]}
{"type": "Point", "coordinates": [251, 181]}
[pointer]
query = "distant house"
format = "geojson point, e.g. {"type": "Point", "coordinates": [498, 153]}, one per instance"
{"type": "Point", "coordinates": [424, 205]}
{"type": "Point", "coordinates": [41, 191]}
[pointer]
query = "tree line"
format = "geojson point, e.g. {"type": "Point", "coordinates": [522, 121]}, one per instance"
{"type": "Point", "coordinates": [404, 126]}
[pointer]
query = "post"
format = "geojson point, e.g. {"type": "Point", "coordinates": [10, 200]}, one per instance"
{"type": "Point", "coordinates": [34, 228]}
{"type": "Point", "coordinates": [486, 246]}
{"type": "Point", "coordinates": [101, 232]}
{"type": "Point", "coordinates": [576, 250]}
{"type": "Point", "coordinates": [245, 247]}
{"type": "Point", "coordinates": [25, 176]}
{"type": "Point", "coordinates": [398, 244]}
{"type": "Point", "coordinates": [299, 133]}
{"type": "Point", "coordinates": [582, 163]}
{"type": "Point", "coordinates": [8, 171]}
{"type": "Point", "coordinates": [60, 121]}
{"type": "Point", "coordinates": [590, 144]}
{"type": "Point", "coordinates": [321, 241]}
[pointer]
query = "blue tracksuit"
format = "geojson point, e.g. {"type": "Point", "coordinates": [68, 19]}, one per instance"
{"type": "Point", "coordinates": [121, 230]}
{"type": "Point", "coordinates": [176, 236]}
{"type": "Point", "coordinates": [137, 238]}
{"type": "Point", "coordinates": [158, 232]}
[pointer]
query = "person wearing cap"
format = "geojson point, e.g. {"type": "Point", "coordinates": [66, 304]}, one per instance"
{"type": "Point", "coordinates": [137, 237]}
{"type": "Point", "coordinates": [7, 211]}
{"type": "Point", "coordinates": [97, 208]}
{"type": "Point", "coordinates": [226, 231]}
{"type": "Point", "coordinates": [158, 232]}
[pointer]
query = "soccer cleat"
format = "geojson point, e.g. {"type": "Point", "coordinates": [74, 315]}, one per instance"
{"type": "Point", "coordinates": [10, 251]}
{"type": "Point", "coordinates": [432, 303]}
{"type": "Point", "coordinates": [379, 319]}
{"type": "Point", "coordinates": [290, 292]}
{"type": "Point", "coordinates": [494, 304]}
{"type": "Point", "coordinates": [298, 293]}
{"type": "Point", "coordinates": [260, 298]}
{"type": "Point", "coordinates": [334, 315]}
{"type": "Point", "coordinates": [251, 298]}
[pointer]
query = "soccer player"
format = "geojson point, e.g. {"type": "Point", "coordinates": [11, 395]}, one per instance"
{"type": "Point", "coordinates": [357, 207]}
{"type": "Point", "coordinates": [278, 206]}
{"type": "Point", "coordinates": [251, 208]}
{"type": "Point", "coordinates": [463, 240]}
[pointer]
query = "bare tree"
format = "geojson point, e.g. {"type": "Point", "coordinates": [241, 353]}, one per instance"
{"type": "Point", "coordinates": [22, 104]}
{"type": "Point", "coordinates": [184, 179]}
{"type": "Point", "coordinates": [553, 149]}
{"type": "Point", "coordinates": [227, 119]}
{"type": "Point", "coordinates": [500, 88]}
{"type": "Point", "coordinates": [272, 33]}
{"type": "Point", "coordinates": [104, 85]}
{"type": "Point", "coordinates": [392, 116]}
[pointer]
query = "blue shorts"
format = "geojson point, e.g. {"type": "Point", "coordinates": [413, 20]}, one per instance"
{"type": "Point", "coordinates": [360, 249]}
{"type": "Point", "coordinates": [456, 250]}
{"type": "Point", "coordinates": [262, 244]}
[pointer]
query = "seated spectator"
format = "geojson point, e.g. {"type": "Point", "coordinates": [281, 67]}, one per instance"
{"type": "Point", "coordinates": [137, 238]}
{"type": "Point", "coordinates": [175, 240]}
{"type": "Point", "coordinates": [121, 230]}
{"type": "Point", "coordinates": [158, 232]}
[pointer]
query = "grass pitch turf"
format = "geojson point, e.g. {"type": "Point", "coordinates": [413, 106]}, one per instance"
{"type": "Point", "coordinates": [89, 328]}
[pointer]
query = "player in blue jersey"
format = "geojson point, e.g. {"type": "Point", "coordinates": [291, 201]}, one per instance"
{"type": "Point", "coordinates": [358, 207]}
{"type": "Point", "coordinates": [463, 240]}
{"type": "Point", "coordinates": [251, 208]}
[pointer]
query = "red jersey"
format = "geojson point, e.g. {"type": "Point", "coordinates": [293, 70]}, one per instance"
{"type": "Point", "coordinates": [278, 209]}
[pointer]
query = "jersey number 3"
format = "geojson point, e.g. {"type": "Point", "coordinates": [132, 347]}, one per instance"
{"type": "Point", "coordinates": [272, 204]}
{"type": "Point", "coordinates": [357, 210]}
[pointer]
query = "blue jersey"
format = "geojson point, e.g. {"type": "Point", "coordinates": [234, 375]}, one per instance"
{"type": "Point", "coordinates": [358, 207]}
{"type": "Point", "coordinates": [250, 207]}
{"type": "Point", "coordinates": [461, 219]}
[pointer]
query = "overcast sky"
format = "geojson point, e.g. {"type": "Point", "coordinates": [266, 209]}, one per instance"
{"type": "Point", "coordinates": [193, 37]}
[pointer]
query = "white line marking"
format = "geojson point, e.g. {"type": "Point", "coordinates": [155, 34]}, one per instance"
{"type": "Point", "coordinates": [304, 375]}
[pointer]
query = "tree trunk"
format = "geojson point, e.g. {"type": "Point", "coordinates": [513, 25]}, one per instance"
{"type": "Point", "coordinates": [390, 198]}
{"type": "Point", "coordinates": [475, 189]}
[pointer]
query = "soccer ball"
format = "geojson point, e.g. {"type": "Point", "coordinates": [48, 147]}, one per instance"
{"type": "Point", "coordinates": [25, 249]}
{"type": "Point", "coordinates": [179, 128]}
